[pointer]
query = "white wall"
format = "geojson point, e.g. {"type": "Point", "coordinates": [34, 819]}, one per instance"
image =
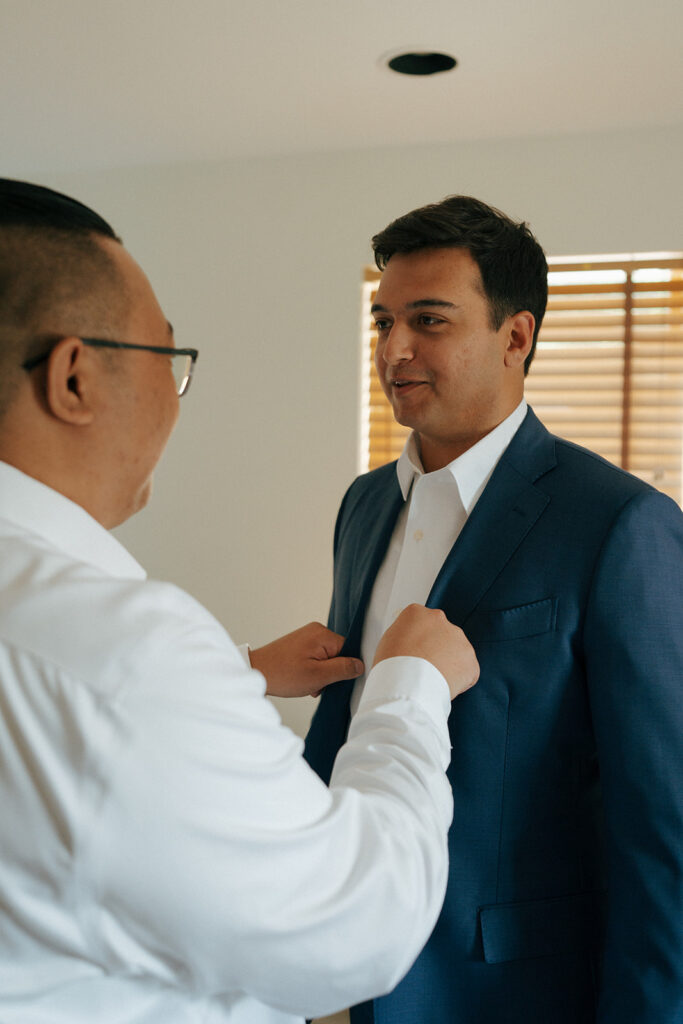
{"type": "Point", "coordinates": [258, 264]}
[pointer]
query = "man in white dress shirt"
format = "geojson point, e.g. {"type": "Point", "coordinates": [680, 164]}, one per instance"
{"type": "Point", "coordinates": [166, 855]}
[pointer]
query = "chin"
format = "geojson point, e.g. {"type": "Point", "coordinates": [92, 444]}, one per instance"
{"type": "Point", "coordinates": [145, 496]}
{"type": "Point", "coordinates": [140, 501]}
{"type": "Point", "coordinates": [405, 419]}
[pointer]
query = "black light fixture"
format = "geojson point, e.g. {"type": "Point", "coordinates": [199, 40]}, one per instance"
{"type": "Point", "coordinates": [421, 63]}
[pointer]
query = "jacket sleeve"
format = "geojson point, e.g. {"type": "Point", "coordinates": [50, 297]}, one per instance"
{"type": "Point", "coordinates": [634, 665]}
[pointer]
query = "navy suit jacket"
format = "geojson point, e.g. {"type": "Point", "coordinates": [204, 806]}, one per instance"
{"type": "Point", "coordinates": [565, 895]}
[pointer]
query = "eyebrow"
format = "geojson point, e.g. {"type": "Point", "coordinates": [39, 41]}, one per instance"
{"type": "Point", "coordinates": [418, 304]}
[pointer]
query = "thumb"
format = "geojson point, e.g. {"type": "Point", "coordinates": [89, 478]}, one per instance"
{"type": "Point", "coordinates": [333, 670]}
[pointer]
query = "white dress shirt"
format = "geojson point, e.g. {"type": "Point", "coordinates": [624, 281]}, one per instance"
{"type": "Point", "coordinates": [436, 508]}
{"type": "Point", "coordinates": [166, 855]}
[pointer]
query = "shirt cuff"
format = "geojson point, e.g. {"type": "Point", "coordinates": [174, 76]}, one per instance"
{"type": "Point", "coordinates": [410, 678]}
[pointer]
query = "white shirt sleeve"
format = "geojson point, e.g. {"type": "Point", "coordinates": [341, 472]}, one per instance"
{"type": "Point", "coordinates": [214, 858]}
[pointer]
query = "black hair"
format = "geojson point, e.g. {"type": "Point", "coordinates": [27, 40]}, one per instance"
{"type": "Point", "coordinates": [512, 264]}
{"type": "Point", "coordinates": [55, 275]}
{"type": "Point", "coordinates": [23, 204]}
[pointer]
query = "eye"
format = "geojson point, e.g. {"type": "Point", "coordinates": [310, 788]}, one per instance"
{"type": "Point", "coordinates": [382, 324]}
{"type": "Point", "coordinates": [428, 320]}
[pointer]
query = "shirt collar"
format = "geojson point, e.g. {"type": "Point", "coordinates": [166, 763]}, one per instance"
{"type": "Point", "coordinates": [34, 507]}
{"type": "Point", "coordinates": [471, 470]}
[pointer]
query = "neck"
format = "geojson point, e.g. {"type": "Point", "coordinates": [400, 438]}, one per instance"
{"type": "Point", "coordinates": [435, 454]}
{"type": "Point", "coordinates": [68, 468]}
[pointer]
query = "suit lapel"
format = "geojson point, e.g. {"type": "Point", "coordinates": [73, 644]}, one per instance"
{"type": "Point", "coordinates": [378, 521]}
{"type": "Point", "coordinates": [508, 508]}
{"type": "Point", "coordinates": [504, 514]}
{"type": "Point", "coordinates": [372, 520]}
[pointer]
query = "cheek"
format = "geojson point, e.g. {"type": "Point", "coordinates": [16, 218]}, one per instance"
{"type": "Point", "coordinates": [452, 370]}
{"type": "Point", "coordinates": [380, 365]}
{"type": "Point", "coordinates": [159, 426]}
{"type": "Point", "coordinates": [173, 409]}
{"type": "Point", "coordinates": [470, 367]}
{"type": "Point", "coordinates": [165, 429]}
{"type": "Point", "coordinates": [166, 404]}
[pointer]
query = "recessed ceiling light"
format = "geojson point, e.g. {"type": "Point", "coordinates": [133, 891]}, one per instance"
{"type": "Point", "coordinates": [421, 63]}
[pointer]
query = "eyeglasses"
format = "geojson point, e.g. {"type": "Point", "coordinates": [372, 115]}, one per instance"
{"type": "Point", "coordinates": [183, 359]}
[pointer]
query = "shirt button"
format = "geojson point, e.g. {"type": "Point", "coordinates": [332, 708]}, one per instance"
{"type": "Point", "coordinates": [418, 535]}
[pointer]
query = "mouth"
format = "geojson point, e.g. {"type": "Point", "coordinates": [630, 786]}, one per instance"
{"type": "Point", "coordinates": [405, 385]}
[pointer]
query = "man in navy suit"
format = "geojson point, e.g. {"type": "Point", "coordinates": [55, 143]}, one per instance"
{"type": "Point", "coordinates": [565, 897]}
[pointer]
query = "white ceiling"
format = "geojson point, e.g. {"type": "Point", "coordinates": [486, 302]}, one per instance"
{"type": "Point", "coordinates": [108, 83]}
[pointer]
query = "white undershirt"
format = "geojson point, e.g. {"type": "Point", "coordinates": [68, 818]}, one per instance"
{"type": "Point", "coordinates": [437, 506]}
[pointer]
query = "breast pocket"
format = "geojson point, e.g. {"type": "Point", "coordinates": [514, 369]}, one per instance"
{"type": "Point", "coordinates": [519, 931]}
{"type": "Point", "coordinates": [524, 620]}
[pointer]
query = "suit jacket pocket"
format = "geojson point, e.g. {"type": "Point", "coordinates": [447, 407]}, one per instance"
{"type": "Point", "coordinates": [519, 931]}
{"type": "Point", "coordinates": [512, 623]}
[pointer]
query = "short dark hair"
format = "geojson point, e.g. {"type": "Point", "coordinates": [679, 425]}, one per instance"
{"type": "Point", "coordinates": [23, 204]}
{"type": "Point", "coordinates": [54, 274]}
{"type": "Point", "coordinates": [512, 264]}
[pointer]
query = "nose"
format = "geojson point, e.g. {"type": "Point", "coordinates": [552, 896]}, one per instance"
{"type": "Point", "coordinates": [397, 346]}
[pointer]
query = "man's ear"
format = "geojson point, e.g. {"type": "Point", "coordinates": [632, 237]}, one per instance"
{"type": "Point", "coordinates": [520, 338]}
{"type": "Point", "coordinates": [70, 382]}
